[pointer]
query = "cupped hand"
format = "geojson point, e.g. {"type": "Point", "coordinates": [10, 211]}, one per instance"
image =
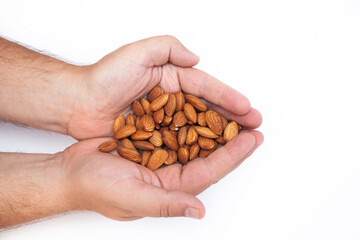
{"type": "Point", "coordinates": [120, 189]}
{"type": "Point", "coordinates": [107, 88]}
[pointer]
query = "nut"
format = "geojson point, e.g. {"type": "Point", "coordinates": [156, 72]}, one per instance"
{"type": "Point", "coordinates": [180, 101]}
{"type": "Point", "coordinates": [156, 138]}
{"type": "Point", "coordinates": [157, 159]}
{"type": "Point", "coordinates": [180, 119]}
{"type": "Point", "coordinates": [108, 146]}
{"type": "Point", "coordinates": [183, 155]}
{"type": "Point", "coordinates": [205, 132]}
{"type": "Point", "coordinates": [231, 131]}
{"type": "Point", "coordinates": [159, 102]}
{"type": "Point", "coordinates": [118, 123]}
{"type": "Point", "coordinates": [143, 145]}
{"type": "Point", "coordinates": [170, 105]}
{"type": "Point", "coordinates": [141, 135]}
{"type": "Point", "coordinates": [196, 102]}
{"type": "Point", "coordinates": [213, 120]}
{"type": "Point", "coordinates": [125, 131]}
{"type": "Point", "coordinates": [170, 140]}
{"type": "Point", "coordinates": [154, 93]}
{"type": "Point", "coordinates": [130, 154]}
{"type": "Point", "coordinates": [190, 112]}
{"type": "Point", "coordinates": [138, 110]}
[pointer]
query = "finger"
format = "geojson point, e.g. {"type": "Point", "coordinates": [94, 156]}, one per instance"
{"type": "Point", "coordinates": [156, 51]}
{"type": "Point", "coordinates": [201, 84]}
{"type": "Point", "coordinates": [199, 174]}
{"type": "Point", "coordinates": [151, 201]}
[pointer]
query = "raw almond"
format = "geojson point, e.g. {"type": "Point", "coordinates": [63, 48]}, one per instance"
{"type": "Point", "coordinates": [206, 143]}
{"type": "Point", "coordinates": [145, 157]}
{"type": "Point", "coordinates": [191, 136]}
{"type": "Point", "coordinates": [130, 154]}
{"type": "Point", "coordinates": [156, 138]}
{"type": "Point", "coordinates": [173, 127]}
{"type": "Point", "coordinates": [108, 146]}
{"type": "Point", "coordinates": [157, 159]}
{"type": "Point", "coordinates": [180, 101]}
{"type": "Point", "coordinates": [166, 121]}
{"type": "Point", "coordinates": [138, 110]}
{"type": "Point", "coordinates": [158, 115]}
{"type": "Point", "coordinates": [170, 105]}
{"type": "Point", "coordinates": [118, 123]}
{"type": "Point", "coordinates": [201, 119]}
{"type": "Point", "coordinates": [130, 120]}
{"type": "Point", "coordinates": [179, 119]}
{"type": "Point", "coordinates": [194, 151]}
{"type": "Point", "coordinates": [141, 135]}
{"type": "Point", "coordinates": [159, 102]}
{"type": "Point", "coordinates": [205, 153]}
{"type": "Point", "coordinates": [146, 105]}
{"type": "Point", "coordinates": [154, 93]}
{"type": "Point", "coordinates": [137, 123]}
{"type": "Point", "coordinates": [205, 132]}
{"type": "Point", "coordinates": [143, 145]}
{"type": "Point", "coordinates": [213, 120]}
{"type": "Point", "coordinates": [190, 112]}
{"type": "Point", "coordinates": [172, 157]}
{"type": "Point", "coordinates": [162, 129]}
{"type": "Point", "coordinates": [220, 140]}
{"type": "Point", "coordinates": [147, 123]}
{"type": "Point", "coordinates": [170, 140]}
{"type": "Point", "coordinates": [183, 155]}
{"type": "Point", "coordinates": [231, 131]}
{"type": "Point", "coordinates": [126, 143]}
{"type": "Point", "coordinates": [125, 131]}
{"type": "Point", "coordinates": [223, 121]}
{"type": "Point", "coordinates": [182, 135]}
{"type": "Point", "coordinates": [196, 102]}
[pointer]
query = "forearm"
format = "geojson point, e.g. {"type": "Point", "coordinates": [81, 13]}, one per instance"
{"type": "Point", "coordinates": [35, 89]}
{"type": "Point", "coordinates": [31, 187]}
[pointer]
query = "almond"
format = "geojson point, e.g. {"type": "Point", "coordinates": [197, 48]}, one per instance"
{"type": "Point", "coordinates": [206, 143]}
{"type": "Point", "coordinates": [108, 146]}
{"type": "Point", "coordinates": [220, 140]}
{"type": "Point", "coordinates": [118, 123]}
{"type": "Point", "coordinates": [190, 112]}
{"type": "Point", "coordinates": [172, 157]}
{"type": "Point", "coordinates": [130, 120]}
{"type": "Point", "coordinates": [156, 138]}
{"type": "Point", "coordinates": [126, 143]}
{"type": "Point", "coordinates": [196, 102]}
{"type": "Point", "coordinates": [170, 140]}
{"type": "Point", "coordinates": [138, 110]}
{"type": "Point", "coordinates": [170, 105]}
{"type": "Point", "coordinates": [191, 136]}
{"type": "Point", "coordinates": [194, 151]}
{"type": "Point", "coordinates": [141, 135]}
{"type": "Point", "coordinates": [175, 133]}
{"type": "Point", "coordinates": [205, 153]}
{"type": "Point", "coordinates": [146, 105]}
{"type": "Point", "coordinates": [231, 131]}
{"type": "Point", "coordinates": [157, 159]}
{"type": "Point", "coordinates": [159, 102]}
{"type": "Point", "coordinates": [183, 155]}
{"type": "Point", "coordinates": [173, 127]}
{"type": "Point", "coordinates": [143, 145]}
{"type": "Point", "coordinates": [145, 157]}
{"type": "Point", "coordinates": [154, 93]}
{"type": "Point", "coordinates": [166, 121]}
{"type": "Point", "coordinates": [213, 120]}
{"type": "Point", "coordinates": [182, 135]}
{"type": "Point", "coordinates": [179, 119]}
{"type": "Point", "coordinates": [137, 123]}
{"type": "Point", "coordinates": [205, 132]}
{"type": "Point", "coordinates": [147, 123]}
{"type": "Point", "coordinates": [190, 122]}
{"type": "Point", "coordinates": [224, 122]}
{"type": "Point", "coordinates": [130, 154]}
{"type": "Point", "coordinates": [201, 119]}
{"type": "Point", "coordinates": [158, 116]}
{"type": "Point", "coordinates": [125, 131]}
{"type": "Point", "coordinates": [157, 126]}
{"type": "Point", "coordinates": [161, 130]}
{"type": "Point", "coordinates": [180, 101]}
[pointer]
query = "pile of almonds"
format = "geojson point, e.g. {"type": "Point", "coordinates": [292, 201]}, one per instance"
{"type": "Point", "coordinates": [169, 127]}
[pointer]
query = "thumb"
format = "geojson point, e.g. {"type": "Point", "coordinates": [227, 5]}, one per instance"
{"type": "Point", "coordinates": [152, 201]}
{"type": "Point", "coordinates": [157, 51]}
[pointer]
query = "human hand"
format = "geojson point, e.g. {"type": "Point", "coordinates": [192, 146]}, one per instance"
{"type": "Point", "coordinates": [120, 189]}
{"type": "Point", "coordinates": [107, 88]}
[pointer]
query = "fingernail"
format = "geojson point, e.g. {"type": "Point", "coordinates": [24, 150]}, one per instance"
{"type": "Point", "coordinates": [192, 213]}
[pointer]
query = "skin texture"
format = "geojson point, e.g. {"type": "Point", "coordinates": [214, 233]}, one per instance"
{"type": "Point", "coordinates": [42, 92]}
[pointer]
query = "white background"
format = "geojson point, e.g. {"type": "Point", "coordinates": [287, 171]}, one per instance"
{"type": "Point", "coordinates": [297, 61]}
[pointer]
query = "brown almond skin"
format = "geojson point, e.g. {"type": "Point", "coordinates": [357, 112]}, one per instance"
{"type": "Point", "coordinates": [125, 131]}
{"type": "Point", "coordinates": [196, 102]}
{"type": "Point", "coordinates": [147, 123]}
{"type": "Point", "coordinates": [191, 136]}
{"type": "Point", "coordinates": [170, 105]}
{"type": "Point", "coordinates": [205, 132]}
{"type": "Point", "coordinates": [231, 131]}
{"type": "Point", "coordinates": [130, 154]}
{"type": "Point", "coordinates": [126, 143]}
{"type": "Point", "coordinates": [205, 153]}
{"type": "Point", "coordinates": [145, 157]}
{"type": "Point", "coordinates": [130, 120]}
{"type": "Point", "coordinates": [206, 143]}
{"type": "Point", "coordinates": [108, 146]}
{"type": "Point", "coordinates": [146, 105]}
{"type": "Point", "coordinates": [183, 155]}
{"type": "Point", "coordinates": [180, 119]}
{"type": "Point", "coordinates": [194, 151]}
{"type": "Point", "coordinates": [223, 121]}
{"type": "Point", "coordinates": [138, 110]}
{"type": "Point", "coordinates": [213, 120]}
{"type": "Point", "coordinates": [190, 112]}
{"type": "Point", "coordinates": [172, 157]}
{"type": "Point", "coordinates": [156, 138]}
{"type": "Point", "coordinates": [170, 140]}
{"type": "Point", "coordinates": [166, 121]}
{"type": "Point", "coordinates": [220, 140]}
{"type": "Point", "coordinates": [157, 159]}
{"type": "Point", "coordinates": [173, 127]}
{"type": "Point", "coordinates": [162, 129]}
{"type": "Point", "coordinates": [180, 101]}
{"type": "Point", "coordinates": [159, 102]}
{"type": "Point", "coordinates": [137, 123]}
{"type": "Point", "coordinates": [143, 145]}
{"type": "Point", "coordinates": [182, 135]}
{"type": "Point", "coordinates": [155, 93]}
{"type": "Point", "coordinates": [158, 115]}
{"type": "Point", "coordinates": [201, 119]}
{"type": "Point", "coordinates": [141, 135]}
{"type": "Point", "coordinates": [118, 123]}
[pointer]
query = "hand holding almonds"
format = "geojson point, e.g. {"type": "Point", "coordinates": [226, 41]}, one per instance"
{"type": "Point", "coordinates": [168, 128]}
